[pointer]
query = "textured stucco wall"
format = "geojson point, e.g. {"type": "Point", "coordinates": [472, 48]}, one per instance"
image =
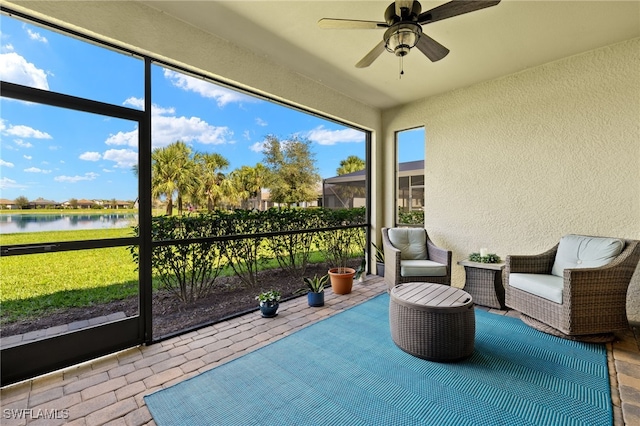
{"type": "Point", "coordinates": [513, 164]}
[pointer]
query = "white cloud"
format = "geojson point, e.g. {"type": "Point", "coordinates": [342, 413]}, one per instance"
{"type": "Point", "coordinates": [37, 170]}
{"type": "Point", "coordinates": [261, 122]}
{"type": "Point", "coordinates": [22, 143]}
{"type": "Point", "coordinates": [323, 136]}
{"type": "Point", "coordinates": [5, 163]}
{"type": "Point", "coordinates": [257, 147]}
{"type": "Point", "coordinates": [90, 156]}
{"type": "Point", "coordinates": [124, 158]}
{"type": "Point", "coordinates": [8, 47]}
{"type": "Point", "coordinates": [123, 138]}
{"type": "Point", "coordinates": [167, 128]}
{"type": "Point", "coordinates": [33, 35]}
{"type": "Point", "coordinates": [28, 157]}
{"type": "Point", "coordinates": [10, 183]}
{"type": "Point", "coordinates": [76, 178]}
{"type": "Point", "coordinates": [205, 89]}
{"type": "Point", "coordinates": [16, 69]}
{"type": "Point", "coordinates": [22, 131]}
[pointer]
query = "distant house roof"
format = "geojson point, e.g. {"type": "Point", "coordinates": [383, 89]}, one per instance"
{"type": "Point", "coordinates": [5, 202]}
{"type": "Point", "coordinates": [404, 168]}
{"type": "Point", "coordinates": [42, 202]}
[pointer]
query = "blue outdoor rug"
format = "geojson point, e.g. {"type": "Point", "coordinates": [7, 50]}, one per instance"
{"type": "Point", "coordinates": [346, 370]}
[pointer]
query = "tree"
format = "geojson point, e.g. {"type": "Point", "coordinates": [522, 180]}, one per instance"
{"type": "Point", "coordinates": [293, 176]}
{"type": "Point", "coordinates": [210, 166]}
{"type": "Point", "coordinates": [21, 202]}
{"type": "Point", "coordinates": [351, 164]}
{"type": "Point", "coordinates": [166, 171]}
{"type": "Point", "coordinates": [346, 191]}
{"type": "Point", "coordinates": [248, 182]}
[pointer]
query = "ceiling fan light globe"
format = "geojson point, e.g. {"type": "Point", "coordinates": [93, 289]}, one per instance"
{"type": "Point", "coordinates": [400, 38]}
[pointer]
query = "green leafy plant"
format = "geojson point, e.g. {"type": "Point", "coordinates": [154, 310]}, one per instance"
{"type": "Point", "coordinates": [292, 250]}
{"type": "Point", "coordinates": [271, 296]}
{"type": "Point", "coordinates": [379, 253]}
{"type": "Point", "coordinates": [315, 284]}
{"type": "Point", "coordinates": [244, 254]}
{"type": "Point", "coordinates": [342, 245]}
{"type": "Point", "coordinates": [489, 258]}
{"type": "Point", "coordinates": [362, 268]}
{"type": "Point", "coordinates": [187, 270]}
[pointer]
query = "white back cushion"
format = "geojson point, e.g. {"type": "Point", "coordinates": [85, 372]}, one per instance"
{"type": "Point", "coordinates": [412, 242]}
{"type": "Point", "coordinates": [579, 251]}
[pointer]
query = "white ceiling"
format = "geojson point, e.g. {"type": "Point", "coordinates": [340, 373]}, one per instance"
{"type": "Point", "coordinates": [486, 44]}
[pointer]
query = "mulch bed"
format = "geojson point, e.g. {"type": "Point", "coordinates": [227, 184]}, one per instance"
{"type": "Point", "coordinates": [170, 316]}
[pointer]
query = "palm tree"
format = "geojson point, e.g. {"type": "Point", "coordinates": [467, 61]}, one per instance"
{"type": "Point", "coordinates": [210, 166]}
{"type": "Point", "coordinates": [248, 182]}
{"type": "Point", "coordinates": [351, 164]}
{"type": "Point", "coordinates": [169, 172]}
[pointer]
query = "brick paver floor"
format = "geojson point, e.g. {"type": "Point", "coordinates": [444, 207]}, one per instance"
{"type": "Point", "coordinates": [110, 390]}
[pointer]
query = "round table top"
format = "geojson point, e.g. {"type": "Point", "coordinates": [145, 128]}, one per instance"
{"type": "Point", "coordinates": [431, 295]}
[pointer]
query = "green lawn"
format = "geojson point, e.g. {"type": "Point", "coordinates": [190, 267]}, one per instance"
{"type": "Point", "coordinates": [32, 285]}
{"type": "Point", "coordinates": [36, 283]}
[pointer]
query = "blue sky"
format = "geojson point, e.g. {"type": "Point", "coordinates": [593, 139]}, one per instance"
{"type": "Point", "coordinates": [59, 154]}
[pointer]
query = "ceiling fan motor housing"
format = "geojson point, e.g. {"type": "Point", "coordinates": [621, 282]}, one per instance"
{"type": "Point", "coordinates": [407, 14]}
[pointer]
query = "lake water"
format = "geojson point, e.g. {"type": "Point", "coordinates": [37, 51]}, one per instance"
{"type": "Point", "coordinates": [13, 223]}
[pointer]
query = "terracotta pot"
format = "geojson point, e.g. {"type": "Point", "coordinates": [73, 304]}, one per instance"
{"type": "Point", "coordinates": [341, 279]}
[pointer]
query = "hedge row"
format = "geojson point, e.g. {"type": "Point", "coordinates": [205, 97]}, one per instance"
{"type": "Point", "coordinates": [189, 270]}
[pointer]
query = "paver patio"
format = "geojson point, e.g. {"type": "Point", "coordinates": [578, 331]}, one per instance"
{"type": "Point", "coordinates": [110, 390]}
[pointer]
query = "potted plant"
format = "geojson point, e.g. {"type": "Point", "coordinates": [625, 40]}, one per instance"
{"type": "Point", "coordinates": [379, 260]}
{"type": "Point", "coordinates": [337, 247]}
{"type": "Point", "coordinates": [361, 272]}
{"type": "Point", "coordinates": [315, 289]}
{"type": "Point", "coordinates": [269, 303]}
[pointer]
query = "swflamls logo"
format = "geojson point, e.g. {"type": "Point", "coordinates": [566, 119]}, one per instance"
{"type": "Point", "coordinates": [31, 414]}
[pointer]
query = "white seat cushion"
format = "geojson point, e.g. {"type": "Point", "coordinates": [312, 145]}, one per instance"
{"type": "Point", "coordinates": [422, 268]}
{"type": "Point", "coordinates": [579, 251]}
{"type": "Point", "coordinates": [412, 242]}
{"type": "Point", "coordinates": [547, 286]}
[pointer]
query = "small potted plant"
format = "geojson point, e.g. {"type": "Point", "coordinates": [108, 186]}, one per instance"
{"type": "Point", "coordinates": [361, 272]}
{"type": "Point", "coordinates": [315, 289]}
{"type": "Point", "coordinates": [269, 303]}
{"type": "Point", "coordinates": [379, 260]}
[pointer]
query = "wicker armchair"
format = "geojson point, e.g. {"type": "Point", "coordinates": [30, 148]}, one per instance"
{"type": "Point", "coordinates": [593, 299]}
{"type": "Point", "coordinates": [395, 263]}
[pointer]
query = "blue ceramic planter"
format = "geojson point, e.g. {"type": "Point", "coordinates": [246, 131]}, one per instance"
{"type": "Point", "coordinates": [315, 299]}
{"type": "Point", "coordinates": [269, 309]}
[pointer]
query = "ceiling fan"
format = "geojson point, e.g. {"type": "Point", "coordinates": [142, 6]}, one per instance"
{"type": "Point", "coordinates": [403, 21]}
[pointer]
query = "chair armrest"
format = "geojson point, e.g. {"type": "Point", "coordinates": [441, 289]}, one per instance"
{"type": "Point", "coordinates": [604, 282]}
{"type": "Point", "coordinates": [392, 257]}
{"type": "Point", "coordinates": [531, 264]}
{"type": "Point", "coordinates": [438, 254]}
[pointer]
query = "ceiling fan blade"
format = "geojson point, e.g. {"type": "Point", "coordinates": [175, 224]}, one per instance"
{"type": "Point", "coordinates": [454, 8]}
{"type": "Point", "coordinates": [371, 56]}
{"type": "Point", "coordinates": [350, 24]}
{"type": "Point", "coordinates": [431, 48]}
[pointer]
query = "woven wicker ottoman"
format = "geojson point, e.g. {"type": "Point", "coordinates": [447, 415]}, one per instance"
{"type": "Point", "coordinates": [432, 321]}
